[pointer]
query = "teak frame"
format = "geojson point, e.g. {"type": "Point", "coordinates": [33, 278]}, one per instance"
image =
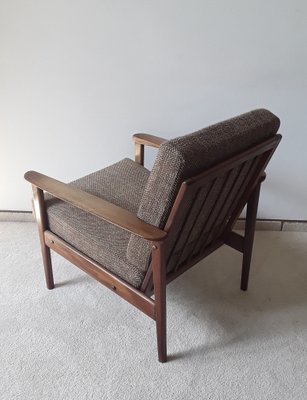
{"type": "Point", "coordinates": [162, 240]}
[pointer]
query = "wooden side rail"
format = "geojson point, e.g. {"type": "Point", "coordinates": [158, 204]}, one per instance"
{"type": "Point", "coordinates": [96, 206]}
{"type": "Point", "coordinates": [101, 274]}
{"type": "Point", "coordinates": [144, 139]}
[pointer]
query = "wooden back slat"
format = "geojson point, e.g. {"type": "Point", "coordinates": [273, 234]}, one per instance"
{"type": "Point", "coordinates": [210, 209]}
{"type": "Point", "coordinates": [182, 220]}
{"type": "Point", "coordinates": [207, 206]}
{"type": "Point", "coordinates": [190, 226]}
{"type": "Point", "coordinates": [245, 172]}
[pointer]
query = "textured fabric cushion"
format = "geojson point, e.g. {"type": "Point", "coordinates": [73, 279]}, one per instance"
{"type": "Point", "coordinates": [122, 184]}
{"type": "Point", "coordinates": [180, 158]}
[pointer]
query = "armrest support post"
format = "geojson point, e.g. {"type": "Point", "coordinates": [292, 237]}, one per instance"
{"type": "Point", "coordinates": [139, 153]}
{"type": "Point", "coordinates": [143, 139]}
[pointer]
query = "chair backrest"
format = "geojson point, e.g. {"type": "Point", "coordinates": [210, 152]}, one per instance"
{"type": "Point", "coordinates": [186, 157]}
{"type": "Point", "coordinates": [208, 205]}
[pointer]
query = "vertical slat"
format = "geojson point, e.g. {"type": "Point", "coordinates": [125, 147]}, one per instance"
{"type": "Point", "coordinates": [227, 199]}
{"type": "Point", "coordinates": [188, 225]}
{"type": "Point", "coordinates": [183, 255]}
{"type": "Point", "coordinates": [41, 218]}
{"type": "Point", "coordinates": [233, 177]}
{"type": "Point", "coordinates": [215, 189]}
{"type": "Point", "coordinates": [243, 185]}
{"type": "Point", "coordinates": [234, 193]}
{"type": "Point", "coordinates": [255, 172]}
{"type": "Point", "coordinates": [209, 221]}
{"type": "Point", "coordinates": [147, 284]}
{"type": "Point", "coordinates": [183, 215]}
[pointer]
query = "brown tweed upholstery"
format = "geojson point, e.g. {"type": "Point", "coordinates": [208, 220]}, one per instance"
{"type": "Point", "coordinates": [185, 156]}
{"type": "Point", "coordinates": [122, 184]}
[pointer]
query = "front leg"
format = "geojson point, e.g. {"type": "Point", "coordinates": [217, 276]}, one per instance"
{"type": "Point", "coordinates": [41, 218]}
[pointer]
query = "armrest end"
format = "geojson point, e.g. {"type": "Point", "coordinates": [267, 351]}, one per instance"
{"type": "Point", "coordinates": [148, 140]}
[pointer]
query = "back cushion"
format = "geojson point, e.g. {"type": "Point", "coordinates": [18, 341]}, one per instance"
{"type": "Point", "coordinates": [183, 157]}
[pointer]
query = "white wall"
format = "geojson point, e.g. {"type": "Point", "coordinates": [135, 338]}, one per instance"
{"type": "Point", "coordinates": [78, 77]}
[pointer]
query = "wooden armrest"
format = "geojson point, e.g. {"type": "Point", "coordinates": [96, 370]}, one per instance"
{"type": "Point", "coordinates": [148, 140]}
{"type": "Point", "coordinates": [96, 206]}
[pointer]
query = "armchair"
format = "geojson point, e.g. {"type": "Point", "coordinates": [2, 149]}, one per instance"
{"type": "Point", "coordinates": [134, 230]}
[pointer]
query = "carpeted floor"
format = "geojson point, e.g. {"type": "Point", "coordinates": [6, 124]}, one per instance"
{"type": "Point", "coordinates": [81, 341]}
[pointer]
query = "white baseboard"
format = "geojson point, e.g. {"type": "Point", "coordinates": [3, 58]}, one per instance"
{"type": "Point", "coordinates": [261, 224]}
{"type": "Point", "coordinates": [275, 225]}
{"type": "Point", "coordinates": [16, 216]}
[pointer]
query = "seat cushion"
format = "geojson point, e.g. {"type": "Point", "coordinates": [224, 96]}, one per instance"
{"type": "Point", "coordinates": [122, 184]}
{"type": "Point", "coordinates": [183, 157]}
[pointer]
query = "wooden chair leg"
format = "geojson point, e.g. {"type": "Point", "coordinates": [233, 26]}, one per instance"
{"type": "Point", "coordinates": [159, 280]}
{"type": "Point", "coordinates": [250, 225]}
{"type": "Point", "coordinates": [47, 266]}
{"type": "Point", "coordinates": [40, 214]}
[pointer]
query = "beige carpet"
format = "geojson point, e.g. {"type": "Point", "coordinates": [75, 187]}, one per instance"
{"type": "Point", "coordinates": [80, 341]}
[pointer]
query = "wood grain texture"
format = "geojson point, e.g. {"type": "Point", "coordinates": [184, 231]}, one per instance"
{"type": "Point", "coordinates": [179, 218]}
{"type": "Point", "coordinates": [139, 153]}
{"type": "Point", "coordinates": [41, 219]}
{"type": "Point", "coordinates": [96, 206]}
{"type": "Point", "coordinates": [148, 140]}
{"type": "Point", "coordinates": [159, 282]}
{"type": "Point", "coordinates": [251, 214]}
